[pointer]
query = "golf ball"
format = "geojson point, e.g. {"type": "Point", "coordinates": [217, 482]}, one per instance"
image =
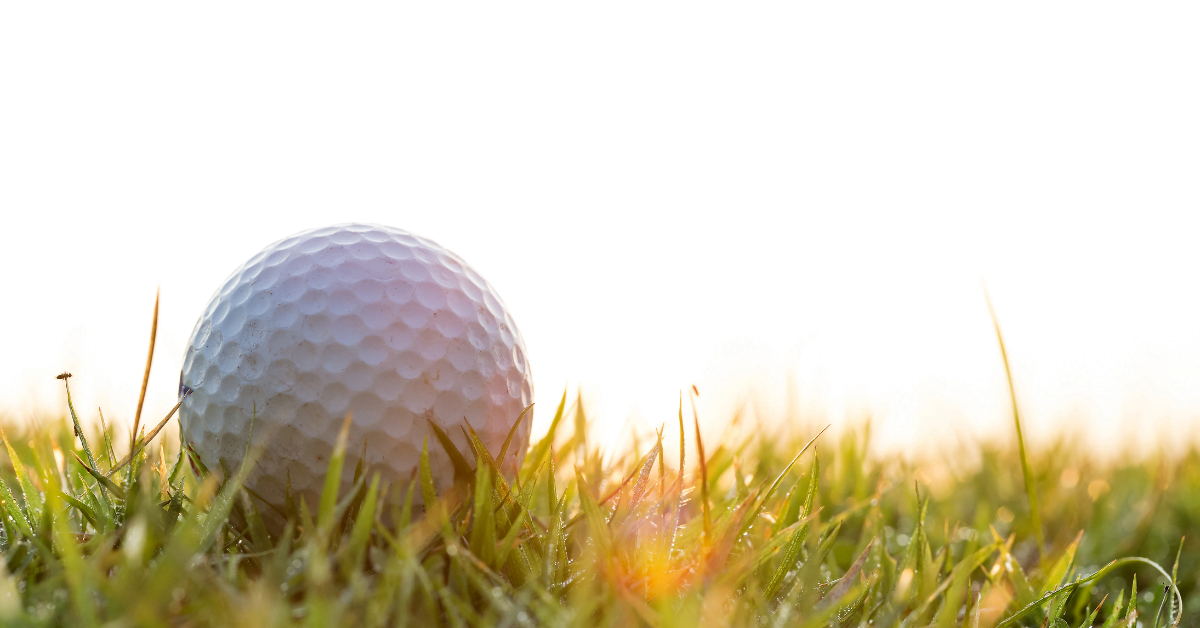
{"type": "Point", "coordinates": [356, 319]}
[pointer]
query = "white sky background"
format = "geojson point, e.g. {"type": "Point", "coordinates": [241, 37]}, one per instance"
{"type": "Point", "coordinates": [664, 195]}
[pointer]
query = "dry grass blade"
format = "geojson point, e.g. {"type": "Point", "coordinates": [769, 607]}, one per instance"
{"type": "Point", "coordinates": [843, 586]}
{"type": "Point", "coordinates": [719, 553]}
{"type": "Point", "coordinates": [149, 437]}
{"type": "Point", "coordinates": [137, 416]}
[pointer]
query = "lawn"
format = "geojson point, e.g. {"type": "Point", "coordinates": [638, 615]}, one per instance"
{"type": "Point", "coordinates": [763, 531]}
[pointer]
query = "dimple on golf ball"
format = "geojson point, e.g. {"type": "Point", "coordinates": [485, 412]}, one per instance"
{"type": "Point", "coordinates": [356, 319]}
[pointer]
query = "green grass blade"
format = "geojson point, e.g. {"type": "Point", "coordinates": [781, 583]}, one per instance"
{"type": "Point", "coordinates": [462, 469]}
{"type": "Point", "coordinates": [774, 485]}
{"type": "Point", "coordinates": [75, 420]}
{"type": "Point", "coordinates": [511, 433]}
{"type": "Point", "coordinates": [705, 506]}
{"type": "Point", "coordinates": [1091, 618]}
{"type": "Point", "coordinates": [333, 477]}
{"type": "Point", "coordinates": [509, 541]}
{"type": "Point", "coordinates": [32, 505]}
{"type": "Point", "coordinates": [1115, 614]}
{"type": "Point", "coordinates": [1101, 573]}
{"type": "Point", "coordinates": [258, 528]}
{"type": "Point", "coordinates": [536, 456]}
{"type": "Point", "coordinates": [597, 523]}
{"type": "Point", "coordinates": [428, 494]}
{"type": "Point", "coordinates": [361, 532]}
{"type": "Point", "coordinates": [76, 570]}
{"type": "Point", "coordinates": [19, 518]}
{"type": "Point", "coordinates": [84, 509]}
{"type": "Point", "coordinates": [483, 528]}
{"type": "Point", "coordinates": [1030, 489]}
{"type": "Point", "coordinates": [1058, 572]}
{"type": "Point", "coordinates": [405, 518]}
{"type": "Point", "coordinates": [104, 481]}
{"type": "Point", "coordinates": [792, 552]}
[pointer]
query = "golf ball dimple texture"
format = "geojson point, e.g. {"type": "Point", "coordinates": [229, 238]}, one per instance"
{"type": "Point", "coordinates": [361, 319]}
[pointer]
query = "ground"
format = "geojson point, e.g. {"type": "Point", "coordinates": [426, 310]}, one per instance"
{"type": "Point", "coordinates": [767, 531]}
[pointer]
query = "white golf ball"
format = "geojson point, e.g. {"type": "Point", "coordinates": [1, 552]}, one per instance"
{"type": "Point", "coordinates": [361, 319]}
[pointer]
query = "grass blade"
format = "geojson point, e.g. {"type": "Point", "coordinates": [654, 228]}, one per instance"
{"type": "Point", "coordinates": [33, 500]}
{"type": "Point", "coordinates": [792, 551]}
{"type": "Point", "coordinates": [18, 517]}
{"type": "Point", "coordinates": [536, 457]}
{"type": "Point", "coordinates": [1030, 489]}
{"type": "Point", "coordinates": [137, 416]}
{"type": "Point", "coordinates": [510, 538]}
{"type": "Point", "coordinates": [847, 580]}
{"type": "Point", "coordinates": [1058, 572]}
{"type": "Point", "coordinates": [511, 433]}
{"type": "Point", "coordinates": [428, 494]}
{"type": "Point", "coordinates": [83, 508]}
{"type": "Point", "coordinates": [333, 476]}
{"type": "Point", "coordinates": [75, 420]}
{"type": "Point", "coordinates": [674, 527]}
{"type": "Point", "coordinates": [705, 506]}
{"type": "Point", "coordinates": [141, 443]}
{"type": "Point", "coordinates": [639, 489]}
{"type": "Point", "coordinates": [361, 532]}
{"type": "Point", "coordinates": [100, 477]}
{"type": "Point", "coordinates": [483, 526]}
{"type": "Point", "coordinates": [462, 470]}
{"type": "Point", "coordinates": [774, 485]}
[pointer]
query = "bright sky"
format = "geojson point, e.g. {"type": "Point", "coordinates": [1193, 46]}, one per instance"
{"type": "Point", "coordinates": [664, 194]}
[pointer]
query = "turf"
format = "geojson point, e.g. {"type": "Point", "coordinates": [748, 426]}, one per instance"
{"type": "Point", "coordinates": [755, 532]}
{"type": "Point", "coordinates": [758, 531]}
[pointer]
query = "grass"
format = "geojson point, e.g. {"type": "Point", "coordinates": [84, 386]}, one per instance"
{"type": "Point", "coordinates": [759, 531]}
{"type": "Point", "coordinates": [762, 532]}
